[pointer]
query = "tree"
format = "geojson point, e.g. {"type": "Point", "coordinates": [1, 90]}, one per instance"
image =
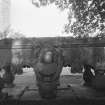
{"type": "Point", "coordinates": [89, 15]}
{"type": "Point", "coordinates": [4, 34]}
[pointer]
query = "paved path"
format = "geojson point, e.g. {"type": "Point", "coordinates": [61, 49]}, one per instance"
{"type": "Point", "coordinates": [26, 89]}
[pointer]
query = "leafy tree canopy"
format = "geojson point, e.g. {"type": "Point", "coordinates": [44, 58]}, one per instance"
{"type": "Point", "coordinates": [89, 15]}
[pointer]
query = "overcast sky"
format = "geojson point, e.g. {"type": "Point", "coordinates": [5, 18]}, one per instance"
{"type": "Point", "coordinates": [32, 21]}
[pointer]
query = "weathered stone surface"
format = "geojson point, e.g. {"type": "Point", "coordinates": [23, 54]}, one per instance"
{"type": "Point", "coordinates": [15, 92]}
{"type": "Point", "coordinates": [31, 95]}
{"type": "Point", "coordinates": [87, 92]}
{"type": "Point", "coordinates": [26, 89]}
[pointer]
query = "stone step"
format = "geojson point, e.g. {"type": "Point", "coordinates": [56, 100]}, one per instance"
{"type": "Point", "coordinates": [15, 92]}
{"type": "Point", "coordinates": [73, 92]}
